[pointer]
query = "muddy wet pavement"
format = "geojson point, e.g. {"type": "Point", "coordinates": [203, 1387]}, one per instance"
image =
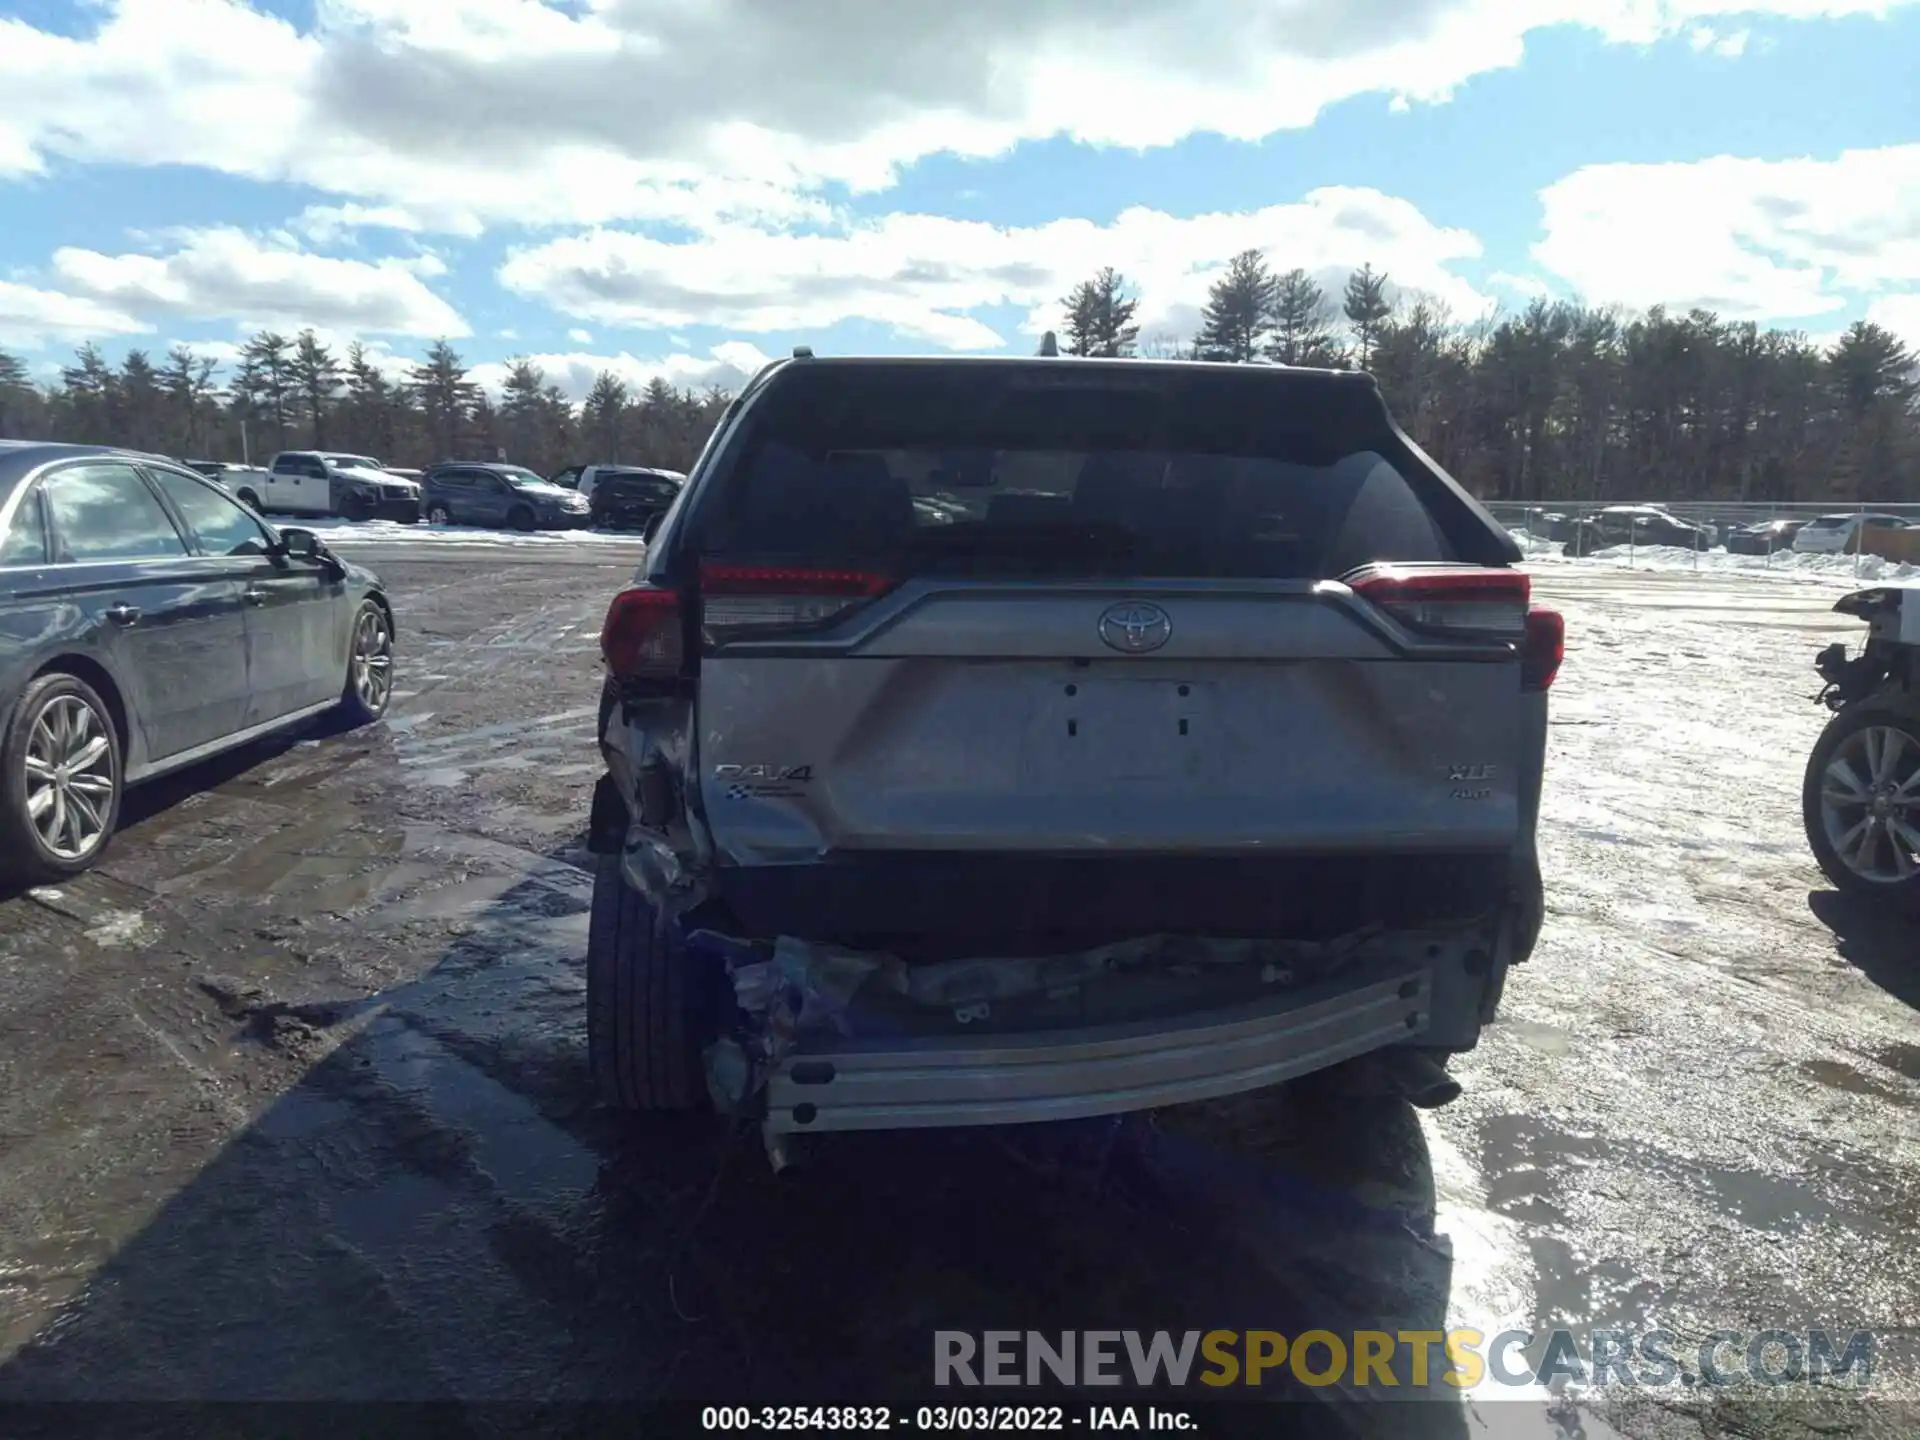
{"type": "Point", "coordinates": [294, 1104]}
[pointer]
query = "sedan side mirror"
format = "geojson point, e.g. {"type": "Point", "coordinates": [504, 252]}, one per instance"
{"type": "Point", "coordinates": [300, 544]}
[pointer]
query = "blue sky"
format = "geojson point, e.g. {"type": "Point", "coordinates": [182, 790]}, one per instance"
{"type": "Point", "coordinates": [682, 187]}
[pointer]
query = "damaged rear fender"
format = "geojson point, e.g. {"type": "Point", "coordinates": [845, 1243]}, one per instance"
{"type": "Point", "coordinates": [642, 807]}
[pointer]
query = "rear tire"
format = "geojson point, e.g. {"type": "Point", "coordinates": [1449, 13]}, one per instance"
{"type": "Point", "coordinates": [650, 1009]}
{"type": "Point", "coordinates": [26, 854]}
{"type": "Point", "coordinates": [250, 500]}
{"type": "Point", "coordinates": [1845, 747]}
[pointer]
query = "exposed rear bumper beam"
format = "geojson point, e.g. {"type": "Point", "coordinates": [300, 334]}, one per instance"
{"type": "Point", "coordinates": [1072, 1074]}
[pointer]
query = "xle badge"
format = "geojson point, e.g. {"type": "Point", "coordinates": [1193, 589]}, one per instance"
{"type": "Point", "coordinates": [1469, 782]}
{"type": "Point", "coordinates": [763, 782]}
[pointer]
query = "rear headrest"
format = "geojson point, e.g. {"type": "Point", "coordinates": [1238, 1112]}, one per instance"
{"type": "Point", "coordinates": [795, 503]}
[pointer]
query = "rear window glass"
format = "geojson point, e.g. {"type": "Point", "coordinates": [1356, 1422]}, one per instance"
{"type": "Point", "coordinates": [942, 470]}
{"type": "Point", "coordinates": [638, 487]}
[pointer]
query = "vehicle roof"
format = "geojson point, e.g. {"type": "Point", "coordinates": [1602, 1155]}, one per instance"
{"type": "Point", "coordinates": [1042, 363]}
{"type": "Point", "coordinates": [644, 472]}
{"type": "Point", "coordinates": [19, 457]}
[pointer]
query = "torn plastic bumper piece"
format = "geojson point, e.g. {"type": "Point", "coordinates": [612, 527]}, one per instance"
{"type": "Point", "coordinates": [828, 1083]}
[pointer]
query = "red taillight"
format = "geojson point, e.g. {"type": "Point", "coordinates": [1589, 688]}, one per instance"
{"type": "Point", "coordinates": [641, 635]}
{"type": "Point", "coordinates": [738, 601]}
{"type": "Point", "coordinates": [1544, 647]}
{"type": "Point", "coordinates": [1456, 598]}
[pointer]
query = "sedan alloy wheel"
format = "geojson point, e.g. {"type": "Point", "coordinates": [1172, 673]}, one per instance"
{"type": "Point", "coordinates": [372, 659]}
{"type": "Point", "coordinates": [71, 777]}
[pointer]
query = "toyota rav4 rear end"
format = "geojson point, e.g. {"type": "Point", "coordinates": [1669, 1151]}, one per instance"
{"type": "Point", "coordinates": [1009, 740]}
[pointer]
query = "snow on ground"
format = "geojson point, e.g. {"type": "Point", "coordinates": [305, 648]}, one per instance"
{"type": "Point", "coordinates": [393, 532]}
{"type": "Point", "coordinates": [1783, 564]}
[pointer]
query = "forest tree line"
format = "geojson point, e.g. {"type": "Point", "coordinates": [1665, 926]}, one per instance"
{"type": "Point", "coordinates": [1559, 402]}
{"type": "Point", "coordinates": [1566, 401]}
{"type": "Point", "coordinates": [294, 392]}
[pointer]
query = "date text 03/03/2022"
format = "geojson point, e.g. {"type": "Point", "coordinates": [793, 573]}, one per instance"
{"type": "Point", "coordinates": [792, 1419]}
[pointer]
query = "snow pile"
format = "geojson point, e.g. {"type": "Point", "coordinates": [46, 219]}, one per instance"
{"type": "Point", "coordinates": [339, 533]}
{"type": "Point", "coordinates": [1786, 564]}
{"type": "Point", "coordinates": [1532, 545]}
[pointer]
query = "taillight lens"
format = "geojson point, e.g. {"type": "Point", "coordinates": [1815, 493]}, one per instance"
{"type": "Point", "coordinates": [1460, 599]}
{"type": "Point", "coordinates": [641, 635]}
{"type": "Point", "coordinates": [744, 601]}
{"type": "Point", "coordinates": [1544, 647]}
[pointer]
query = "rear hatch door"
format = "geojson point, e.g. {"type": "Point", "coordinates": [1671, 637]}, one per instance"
{"type": "Point", "coordinates": [990, 609]}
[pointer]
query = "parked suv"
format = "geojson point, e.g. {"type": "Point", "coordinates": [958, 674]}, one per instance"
{"type": "Point", "coordinates": [477, 494]}
{"type": "Point", "coordinates": [633, 499]}
{"type": "Point", "coordinates": [1198, 747]}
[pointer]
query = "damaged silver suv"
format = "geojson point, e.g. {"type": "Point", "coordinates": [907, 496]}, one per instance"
{"type": "Point", "coordinates": [1009, 740]}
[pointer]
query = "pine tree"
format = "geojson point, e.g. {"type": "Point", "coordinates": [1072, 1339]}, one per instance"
{"type": "Point", "coordinates": [16, 384]}
{"type": "Point", "coordinates": [138, 393]}
{"type": "Point", "coordinates": [523, 413]}
{"type": "Point", "coordinates": [188, 383]}
{"type": "Point", "coordinates": [1100, 316]}
{"type": "Point", "coordinates": [371, 406]}
{"type": "Point", "coordinates": [446, 398]}
{"type": "Point", "coordinates": [603, 416]}
{"type": "Point", "coordinates": [1300, 332]}
{"type": "Point", "coordinates": [1239, 310]}
{"type": "Point", "coordinates": [265, 379]}
{"type": "Point", "coordinates": [317, 375]}
{"type": "Point", "coordinates": [1366, 308]}
{"type": "Point", "coordinates": [87, 399]}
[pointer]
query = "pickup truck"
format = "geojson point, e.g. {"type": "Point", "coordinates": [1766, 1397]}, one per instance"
{"type": "Point", "coordinates": [322, 482]}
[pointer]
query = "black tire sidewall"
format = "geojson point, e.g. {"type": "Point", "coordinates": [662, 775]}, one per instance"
{"type": "Point", "coordinates": [647, 1025]}
{"type": "Point", "coordinates": [1895, 711]}
{"type": "Point", "coordinates": [522, 520]}
{"type": "Point", "coordinates": [21, 850]}
{"type": "Point", "coordinates": [439, 515]}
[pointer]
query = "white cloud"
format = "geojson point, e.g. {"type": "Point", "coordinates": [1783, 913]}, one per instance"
{"type": "Point", "coordinates": [922, 274]}
{"type": "Point", "coordinates": [580, 337]}
{"type": "Point", "coordinates": [31, 318]}
{"type": "Point", "coordinates": [729, 110]}
{"type": "Point", "coordinates": [1901, 315]}
{"type": "Point", "coordinates": [1729, 44]}
{"type": "Point", "coordinates": [1527, 287]}
{"type": "Point", "coordinates": [728, 365]}
{"type": "Point", "coordinates": [226, 274]}
{"type": "Point", "coordinates": [1759, 239]}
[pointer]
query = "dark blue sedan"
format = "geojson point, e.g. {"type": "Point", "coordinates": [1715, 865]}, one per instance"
{"type": "Point", "coordinates": [149, 620]}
